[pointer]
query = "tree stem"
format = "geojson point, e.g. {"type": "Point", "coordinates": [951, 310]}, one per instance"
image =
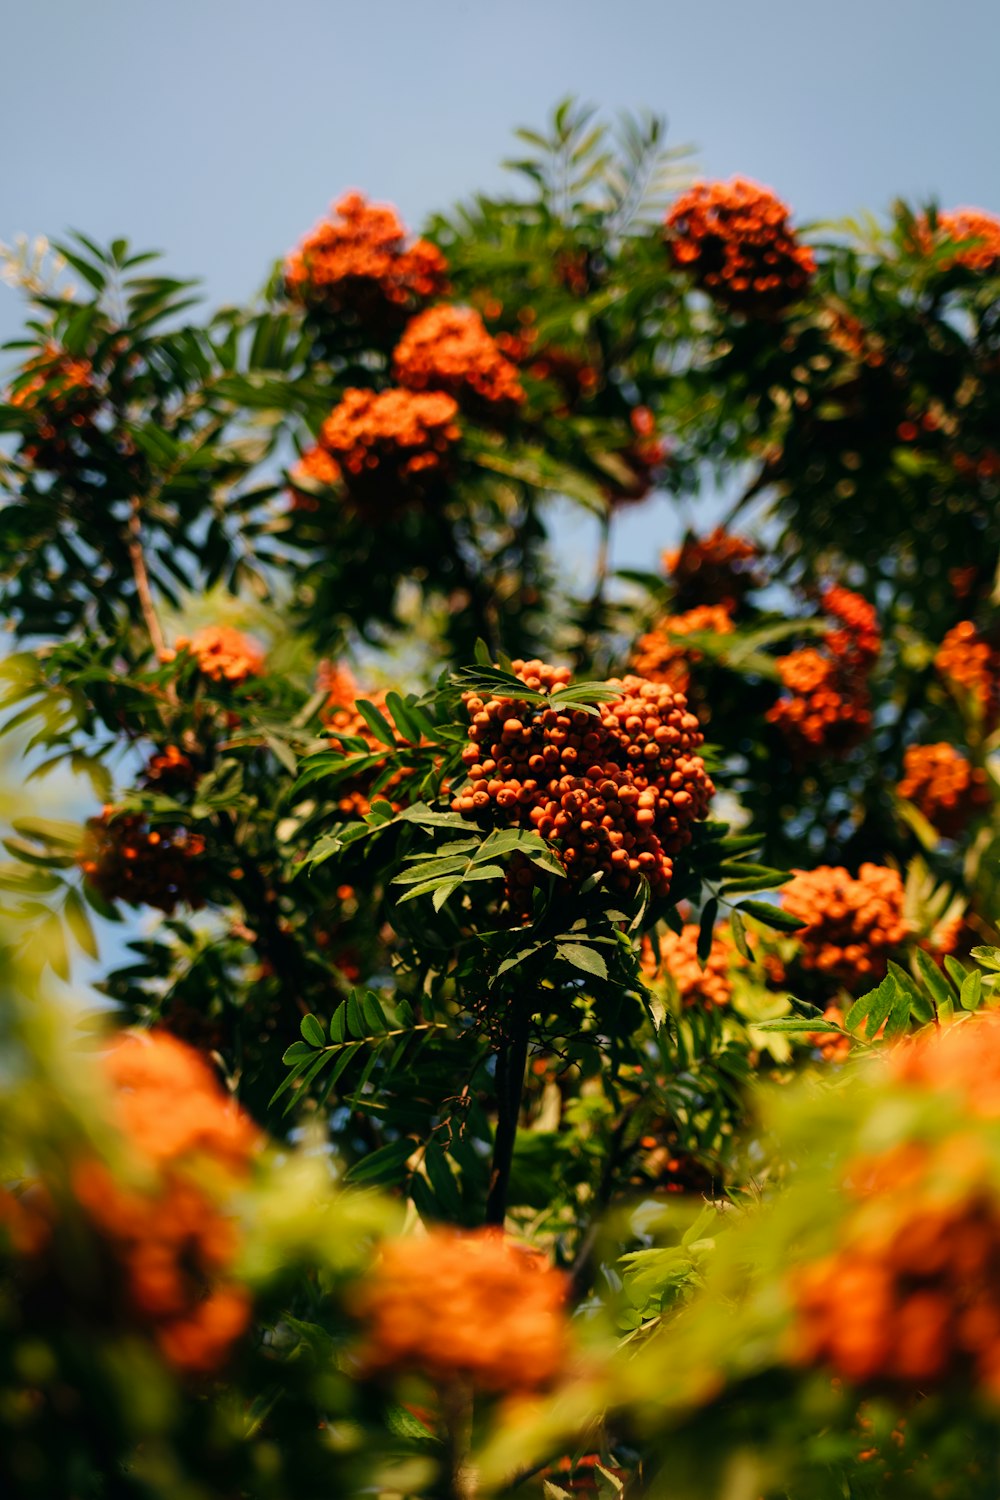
{"type": "Point", "coordinates": [512, 1058]}
{"type": "Point", "coordinates": [141, 576]}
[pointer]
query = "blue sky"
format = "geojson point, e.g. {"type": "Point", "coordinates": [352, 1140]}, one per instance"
{"type": "Point", "coordinates": [219, 129]}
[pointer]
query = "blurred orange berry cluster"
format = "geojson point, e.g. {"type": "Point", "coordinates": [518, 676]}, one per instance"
{"type": "Point", "coordinates": [356, 266]}
{"type": "Point", "coordinates": [969, 663]}
{"type": "Point", "coordinates": [389, 445]}
{"type": "Point", "coordinates": [827, 707]}
{"type": "Point", "coordinates": [851, 925]}
{"type": "Point", "coordinates": [974, 233]}
{"type": "Point", "coordinates": [169, 769]}
{"type": "Point", "coordinates": [912, 1295]}
{"type": "Point", "coordinates": [224, 654]}
{"type": "Point", "coordinates": [944, 786]}
{"type": "Point", "coordinates": [448, 349]}
{"type": "Point", "coordinates": [735, 240]}
{"type": "Point", "coordinates": [124, 859]}
{"type": "Point", "coordinates": [168, 1245]}
{"type": "Point", "coordinates": [638, 460]}
{"type": "Point", "coordinates": [660, 656]}
{"type": "Point", "coordinates": [962, 1059]}
{"type": "Point", "coordinates": [342, 718]}
{"type": "Point", "coordinates": [707, 985]}
{"type": "Point", "coordinates": [471, 1307]}
{"type": "Point", "coordinates": [617, 791]}
{"type": "Point", "coordinates": [58, 393]}
{"type": "Point", "coordinates": [716, 569]}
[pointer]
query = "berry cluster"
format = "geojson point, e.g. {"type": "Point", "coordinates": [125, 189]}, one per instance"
{"type": "Point", "coordinates": [171, 1241]}
{"type": "Point", "coordinates": [316, 467]}
{"type": "Point", "coordinates": [942, 784]}
{"type": "Point", "coordinates": [342, 718]}
{"type": "Point", "coordinates": [911, 1295]}
{"type": "Point", "coordinates": [974, 234]}
{"type": "Point", "coordinates": [126, 860]}
{"type": "Point", "coordinates": [851, 924]}
{"type": "Point", "coordinates": [448, 349]}
{"type": "Point", "coordinates": [57, 392]}
{"type": "Point", "coordinates": [170, 769]}
{"type": "Point", "coordinates": [355, 266]}
{"type": "Point", "coordinates": [735, 240]}
{"type": "Point", "coordinates": [473, 1307]}
{"type": "Point", "coordinates": [660, 657]}
{"type": "Point", "coordinates": [224, 654]}
{"type": "Point", "coordinates": [617, 791]}
{"type": "Point", "coordinates": [713, 569]}
{"type": "Point", "coordinates": [827, 708]}
{"type": "Point", "coordinates": [707, 985]}
{"type": "Point", "coordinates": [970, 664]}
{"type": "Point", "coordinates": [390, 445]}
{"type": "Point", "coordinates": [962, 1060]}
{"type": "Point", "coordinates": [638, 461]}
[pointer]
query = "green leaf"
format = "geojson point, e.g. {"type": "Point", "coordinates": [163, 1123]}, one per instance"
{"type": "Point", "coordinates": [75, 913]}
{"type": "Point", "coordinates": [988, 957]}
{"type": "Point", "coordinates": [377, 723]}
{"type": "Point", "coordinates": [312, 1030]}
{"type": "Point", "coordinates": [796, 1024]}
{"type": "Point", "coordinates": [383, 1165]}
{"type": "Point", "coordinates": [771, 916]}
{"type": "Point", "coordinates": [940, 990]}
{"type": "Point", "coordinates": [589, 960]}
{"type": "Point", "coordinates": [296, 1052]}
{"type": "Point", "coordinates": [706, 930]}
{"type": "Point", "coordinates": [739, 933]}
{"type": "Point", "coordinates": [920, 1007]}
{"type": "Point", "coordinates": [970, 995]}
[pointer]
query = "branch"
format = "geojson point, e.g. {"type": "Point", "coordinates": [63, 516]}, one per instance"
{"type": "Point", "coordinates": [141, 576]}
{"type": "Point", "coordinates": [512, 1059]}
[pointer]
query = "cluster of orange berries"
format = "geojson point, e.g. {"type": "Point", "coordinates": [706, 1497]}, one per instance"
{"type": "Point", "coordinates": [356, 266]}
{"type": "Point", "coordinates": [471, 1307]}
{"type": "Point", "coordinates": [976, 236]}
{"type": "Point", "coordinates": [385, 445]}
{"type": "Point", "coordinates": [170, 768]}
{"type": "Point", "coordinates": [173, 1243]}
{"type": "Point", "coordinates": [942, 784]}
{"type": "Point", "coordinates": [707, 985]}
{"type": "Point", "coordinates": [124, 859]}
{"type": "Point", "coordinates": [714, 569]}
{"type": "Point", "coordinates": [59, 390]}
{"type": "Point", "coordinates": [968, 661]}
{"type": "Point", "coordinates": [851, 925]}
{"type": "Point", "coordinates": [617, 791]}
{"type": "Point", "coordinates": [169, 1246]}
{"type": "Point", "coordinates": [660, 656]}
{"type": "Point", "coordinates": [735, 239]}
{"type": "Point", "coordinates": [223, 653]}
{"type": "Point", "coordinates": [962, 1059]}
{"type": "Point", "coordinates": [640, 460]}
{"type": "Point", "coordinates": [827, 707]}
{"type": "Point", "coordinates": [448, 349]}
{"type": "Point", "coordinates": [912, 1295]}
{"type": "Point", "coordinates": [342, 718]}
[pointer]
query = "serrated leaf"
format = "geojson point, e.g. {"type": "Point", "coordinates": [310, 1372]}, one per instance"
{"type": "Point", "coordinates": [582, 957]}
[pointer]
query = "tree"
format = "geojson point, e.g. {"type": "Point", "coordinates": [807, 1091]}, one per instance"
{"type": "Point", "coordinates": [502, 946]}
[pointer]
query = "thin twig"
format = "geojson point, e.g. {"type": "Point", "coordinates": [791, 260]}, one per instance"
{"type": "Point", "coordinates": [141, 576]}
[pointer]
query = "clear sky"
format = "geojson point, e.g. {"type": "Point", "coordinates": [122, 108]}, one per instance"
{"type": "Point", "coordinates": [219, 130]}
